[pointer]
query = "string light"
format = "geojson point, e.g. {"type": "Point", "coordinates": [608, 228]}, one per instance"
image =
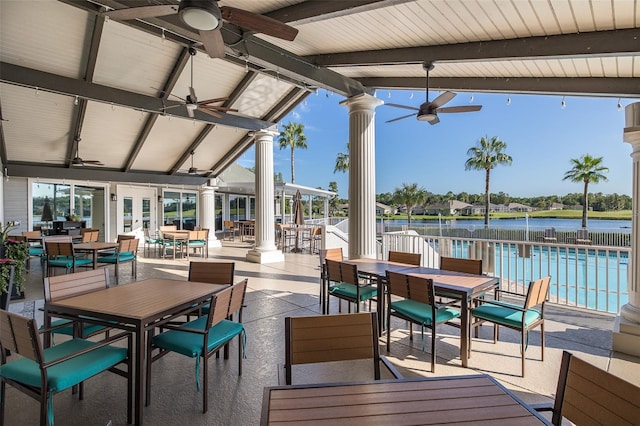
{"type": "Point", "coordinates": [37, 93]}
{"type": "Point", "coordinates": [162, 37]}
{"type": "Point", "coordinates": [470, 98]}
{"type": "Point", "coordinates": [389, 94]}
{"type": "Point", "coordinates": [411, 95]}
{"type": "Point", "coordinates": [246, 65]}
{"type": "Point", "coordinates": [509, 100]}
{"type": "Point", "coordinates": [113, 107]}
{"type": "Point", "coordinates": [75, 102]}
{"type": "Point", "coordinates": [619, 105]}
{"type": "Point", "coordinates": [563, 104]}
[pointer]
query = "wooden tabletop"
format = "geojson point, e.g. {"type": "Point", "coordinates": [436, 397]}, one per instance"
{"type": "Point", "coordinates": [95, 245]}
{"type": "Point", "coordinates": [140, 300]}
{"type": "Point", "coordinates": [444, 400]}
{"type": "Point", "coordinates": [454, 280]}
{"type": "Point", "coordinates": [378, 267]}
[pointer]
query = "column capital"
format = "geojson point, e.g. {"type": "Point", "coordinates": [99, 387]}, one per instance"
{"type": "Point", "coordinates": [362, 102]}
{"type": "Point", "coordinates": [271, 131]}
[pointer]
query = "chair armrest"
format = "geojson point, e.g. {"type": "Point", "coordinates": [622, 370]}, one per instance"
{"type": "Point", "coordinates": [511, 293]}
{"type": "Point", "coordinates": [504, 305]}
{"type": "Point", "coordinates": [99, 344]}
{"type": "Point", "coordinates": [542, 406]}
{"type": "Point", "coordinates": [392, 368]}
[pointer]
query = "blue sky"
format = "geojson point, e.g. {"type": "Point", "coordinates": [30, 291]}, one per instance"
{"type": "Point", "coordinates": [541, 137]}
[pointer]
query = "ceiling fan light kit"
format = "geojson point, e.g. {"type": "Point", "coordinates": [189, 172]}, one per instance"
{"type": "Point", "coordinates": [200, 15]}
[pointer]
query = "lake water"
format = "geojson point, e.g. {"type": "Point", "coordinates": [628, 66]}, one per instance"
{"type": "Point", "coordinates": [604, 225]}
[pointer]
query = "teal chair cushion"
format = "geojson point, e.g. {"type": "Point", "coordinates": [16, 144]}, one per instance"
{"type": "Point", "coordinates": [504, 315]}
{"type": "Point", "coordinates": [67, 262]}
{"type": "Point", "coordinates": [35, 251]}
{"type": "Point", "coordinates": [68, 373]}
{"type": "Point", "coordinates": [196, 243]}
{"type": "Point", "coordinates": [349, 290]}
{"type": "Point", "coordinates": [122, 257]}
{"type": "Point", "coordinates": [190, 344]}
{"type": "Point", "coordinates": [421, 312]}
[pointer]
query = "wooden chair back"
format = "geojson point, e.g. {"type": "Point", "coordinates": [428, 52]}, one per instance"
{"type": "Point", "coordinates": [59, 248]}
{"type": "Point", "coordinates": [128, 245]}
{"type": "Point", "coordinates": [212, 272]}
{"type": "Point", "coordinates": [349, 273]}
{"type": "Point", "coordinates": [332, 254]}
{"type": "Point", "coordinates": [19, 334]}
{"type": "Point", "coordinates": [227, 302]}
{"type": "Point", "coordinates": [58, 238]}
{"type": "Point", "coordinates": [327, 338]}
{"type": "Point", "coordinates": [467, 266]}
{"type": "Point", "coordinates": [122, 237]}
{"type": "Point", "coordinates": [407, 258]}
{"type": "Point", "coordinates": [537, 292]}
{"type": "Point", "coordinates": [32, 234]}
{"type": "Point", "coordinates": [397, 284]}
{"type": "Point", "coordinates": [90, 235]}
{"type": "Point", "coordinates": [62, 286]}
{"type": "Point", "coordinates": [588, 395]}
{"type": "Point", "coordinates": [334, 272]}
{"type": "Point", "coordinates": [411, 287]}
{"type": "Point", "coordinates": [201, 235]}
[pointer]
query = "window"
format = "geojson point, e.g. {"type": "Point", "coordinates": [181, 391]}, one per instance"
{"type": "Point", "coordinates": [180, 209]}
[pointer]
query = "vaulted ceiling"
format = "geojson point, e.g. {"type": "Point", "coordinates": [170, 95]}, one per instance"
{"type": "Point", "coordinates": [68, 73]}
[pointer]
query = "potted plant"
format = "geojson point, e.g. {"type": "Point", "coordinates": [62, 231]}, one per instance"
{"type": "Point", "coordinates": [16, 254]}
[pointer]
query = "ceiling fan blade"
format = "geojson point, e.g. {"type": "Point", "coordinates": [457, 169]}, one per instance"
{"type": "Point", "coordinates": [213, 43]}
{"type": "Point", "coordinates": [172, 106]}
{"type": "Point", "coordinates": [443, 99]}
{"type": "Point", "coordinates": [213, 101]}
{"type": "Point", "coordinates": [258, 23]}
{"type": "Point", "coordinates": [96, 162]}
{"type": "Point", "coordinates": [403, 106]}
{"type": "Point", "coordinates": [465, 108]}
{"type": "Point", "coordinates": [400, 118]}
{"type": "Point", "coordinates": [142, 12]}
{"type": "Point", "coordinates": [219, 108]}
{"type": "Point", "coordinates": [210, 112]}
{"type": "Point", "coordinates": [436, 120]}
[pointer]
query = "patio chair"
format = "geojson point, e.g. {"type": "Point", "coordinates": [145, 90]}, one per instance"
{"type": "Point", "coordinates": [314, 239]}
{"type": "Point", "coordinates": [324, 254]}
{"type": "Point", "coordinates": [588, 395]}
{"type": "Point", "coordinates": [346, 284]}
{"type": "Point", "coordinates": [403, 257]}
{"type": "Point", "coordinates": [41, 373]}
{"type": "Point", "coordinates": [467, 266]}
{"type": "Point", "coordinates": [203, 337]}
{"type": "Point", "coordinates": [198, 240]}
{"type": "Point", "coordinates": [328, 338]}
{"type": "Point", "coordinates": [150, 241]}
{"type": "Point", "coordinates": [36, 248]}
{"type": "Point", "coordinates": [413, 299]}
{"type": "Point", "coordinates": [212, 273]}
{"type": "Point", "coordinates": [520, 317]}
{"type": "Point", "coordinates": [89, 235]}
{"type": "Point", "coordinates": [68, 285]}
{"type": "Point", "coordinates": [229, 228]}
{"type": "Point", "coordinates": [61, 254]}
{"type": "Point", "coordinates": [127, 252]}
{"type": "Point", "coordinates": [550, 235]}
{"type": "Point", "coordinates": [582, 236]}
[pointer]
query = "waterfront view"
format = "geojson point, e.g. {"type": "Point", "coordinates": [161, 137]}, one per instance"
{"type": "Point", "coordinates": [602, 225]}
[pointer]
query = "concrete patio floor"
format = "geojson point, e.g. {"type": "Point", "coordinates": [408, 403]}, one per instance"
{"type": "Point", "coordinates": [291, 288]}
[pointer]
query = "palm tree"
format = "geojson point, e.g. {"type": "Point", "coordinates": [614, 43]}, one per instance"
{"type": "Point", "coordinates": [342, 161]}
{"type": "Point", "coordinates": [485, 156]}
{"type": "Point", "coordinates": [292, 136]}
{"type": "Point", "coordinates": [410, 195]}
{"type": "Point", "coordinates": [586, 169]}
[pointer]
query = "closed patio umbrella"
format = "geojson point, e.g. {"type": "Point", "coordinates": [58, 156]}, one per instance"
{"type": "Point", "coordinates": [298, 212]}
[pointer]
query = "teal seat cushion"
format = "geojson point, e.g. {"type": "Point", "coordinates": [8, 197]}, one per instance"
{"type": "Point", "coordinates": [421, 312]}
{"type": "Point", "coordinates": [35, 251]}
{"type": "Point", "coordinates": [196, 243]}
{"type": "Point", "coordinates": [67, 262]}
{"type": "Point", "coordinates": [190, 344]}
{"type": "Point", "coordinates": [87, 329]}
{"type": "Point", "coordinates": [126, 256]}
{"type": "Point", "coordinates": [504, 315]}
{"type": "Point", "coordinates": [68, 373]}
{"type": "Point", "coordinates": [349, 290]}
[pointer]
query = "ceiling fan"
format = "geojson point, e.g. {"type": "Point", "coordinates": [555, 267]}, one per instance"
{"type": "Point", "coordinates": [191, 100]}
{"type": "Point", "coordinates": [77, 161]}
{"type": "Point", "coordinates": [194, 170]}
{"type": "Point", "coordinates": [428, 111]}
{"type": "Point", "coordinates": [206, 17]}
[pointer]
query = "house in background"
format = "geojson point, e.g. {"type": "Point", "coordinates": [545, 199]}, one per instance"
{"type": "Point", "coordinates": [517, 207]}
{"type": "Point", "coordinates": [383, 209]}
{"type": "Point", "coordinates": [556, 206]}
{"type": "Point", "coordinates": [449, 207]}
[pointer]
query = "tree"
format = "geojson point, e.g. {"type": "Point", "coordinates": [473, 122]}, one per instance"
{"type": "Point", "coordinates": [342, 161]}
{"type": "Point", "coordinates": [292, 136]}
{"type": "Point", "coordinates": [333, 202]}
{"type": "Point", "coordinates": [586, 169]}
{"type": "Point", "coordinates": [488, 154]}
{"type": "Point", "coordinates": [410, 195]}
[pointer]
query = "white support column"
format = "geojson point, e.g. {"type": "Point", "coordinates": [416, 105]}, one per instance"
{"type": "Point", "coordinates": [626, 332]}
{"type": "Point", "coordinates": [208, 214]}
{"type": "Point", "coordinates": [265, 250]}
{"type": "Point", "coordinates": [362, 175]}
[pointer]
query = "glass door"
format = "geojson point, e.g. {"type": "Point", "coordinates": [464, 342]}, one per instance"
{"type": "Point", "coordinates": [136, 211]}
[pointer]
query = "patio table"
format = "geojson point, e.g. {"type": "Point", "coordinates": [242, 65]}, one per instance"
{"type": "Point", "coordinates": [177, 238]}
{"type": "Point", "coordinates": [138, 307]}
{"type": "Point", "coordinates": [94, 248]}
{"type": "Point", "coordinates": [476, 399]}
